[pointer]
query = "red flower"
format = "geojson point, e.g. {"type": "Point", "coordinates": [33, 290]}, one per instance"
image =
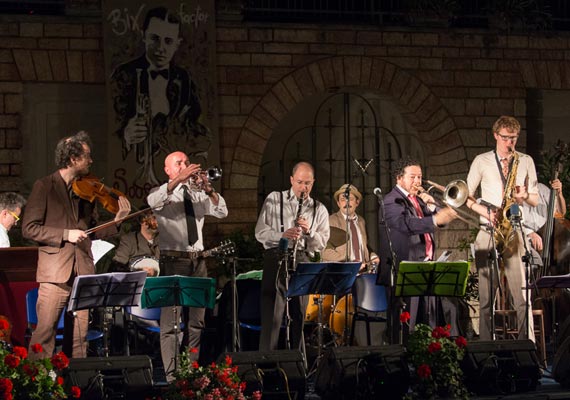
{"type": "Point", "coordinates": [59, 380]}
{"type": "Point", "coordinates": [195, 365]}
{"type": "Point", "coordinates": [75, 392]}
{"type": "Point", "coordinates": [60, 361]}
{"type": "Point", "coordinates": [4, 325]}
{"type": "Point", "coordinates": [424, 371]}
{"type": "Point", "coordinates": [194, 350]}
{"type": "Point", "coordinates": [8, 396]}
{"type": "Point", "coordinates": [228, 360]}
{"type": "Point", "coordinates": [440, 332]}
{"type": "Point", "coordinates": [6, 385]}
{"type": "Point", "coordinates": [11, 360]}
{"type": "Point", "coordinates": [434, 347]}
{"type": "Point", "coordinates": [21, 352]}
{"type": "Point", "coordinates": [30, 370]}
{"type": "Point", "coordinates": [37, 348]}
{"type": "Point", "coordinates": [256, 395]}
{"type": "Point", "coordinates": [404, 317]}
{"type": "Point", "coordinates": [461, 342]}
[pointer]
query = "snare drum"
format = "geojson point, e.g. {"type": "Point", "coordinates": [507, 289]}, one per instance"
{"type": "Point", "coordinates": [145, 263]}
{"type": "Point", "coordinates": [338, 318]}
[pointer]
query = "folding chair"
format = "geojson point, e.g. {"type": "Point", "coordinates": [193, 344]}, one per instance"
{"type": "Point", "coordinates": [367, 297]}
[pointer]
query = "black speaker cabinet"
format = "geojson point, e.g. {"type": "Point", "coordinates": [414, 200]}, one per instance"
{"type": "Point", "coordinates": [561, 364]}
{"type": "Point", "coordinates": [278, 374]}
{"type": "Point", "coordinates": [363, 372]}
{"type": "Point", "coordinates": [110, 377]}
{"type": "Point", "coordinates": [501, 366]}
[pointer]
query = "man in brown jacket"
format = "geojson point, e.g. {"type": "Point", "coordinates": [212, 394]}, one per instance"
{"type": "Point", "coordinates": [57, 219]}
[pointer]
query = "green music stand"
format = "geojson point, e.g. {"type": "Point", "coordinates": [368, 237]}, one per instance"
{"type": "Point", "coordinates": [431, 278]}
{"type": "Point", "coordinates": [177, 290]}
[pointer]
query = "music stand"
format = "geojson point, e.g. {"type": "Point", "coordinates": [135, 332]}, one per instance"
{"type": "Point", "coordinates": [553, 282]}
{"type": "Point", "coordinates": [175, 291]}
{"type": "Point", "coordinates": [432, 278]}
{"type": "Point", "coordinates": [106, 290]}
{"type": "Point", "coordinates": [334, 278]}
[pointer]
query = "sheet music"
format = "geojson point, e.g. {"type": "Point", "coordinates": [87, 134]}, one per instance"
{"type": "Point", "coordinates": [99, 248]}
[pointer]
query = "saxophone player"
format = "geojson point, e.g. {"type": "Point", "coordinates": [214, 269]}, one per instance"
{"type": "Point", "coordinates": [501, 175]}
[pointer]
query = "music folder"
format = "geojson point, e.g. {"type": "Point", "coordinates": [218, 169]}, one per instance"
{"type": "Point", "coordinates": [432, 278]}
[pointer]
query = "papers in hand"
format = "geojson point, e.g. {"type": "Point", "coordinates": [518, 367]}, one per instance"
{"type": "Point", "coordinates": [99, 248]}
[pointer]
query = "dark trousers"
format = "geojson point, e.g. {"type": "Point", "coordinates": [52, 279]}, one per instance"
{"type": "Point", "coordinates": [273, 303]}
{"type": "Point", "coordinates": [193, 317]}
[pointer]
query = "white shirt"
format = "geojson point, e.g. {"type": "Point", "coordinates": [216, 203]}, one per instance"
{"type": "Point", "coordinates": [268, 230]}
{"type": "Point", "coordinates": [4, 239]}
{"type": "Point", "coordinates": [171, 216]}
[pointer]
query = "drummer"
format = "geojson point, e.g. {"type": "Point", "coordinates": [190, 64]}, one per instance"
{"type": "Point", "coordinates": [138, 244]}
{"type": "Point", "coordinates": [348, 198]}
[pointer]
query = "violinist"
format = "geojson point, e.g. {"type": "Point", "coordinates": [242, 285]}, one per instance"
{"type": "Point", "coordinates": [57, 219]}
{"type": "Point", "coordinates": [180, 206]}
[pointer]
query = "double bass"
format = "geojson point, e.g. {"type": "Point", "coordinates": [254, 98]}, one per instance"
{"type": "Point", "coordinates": [555, 254]}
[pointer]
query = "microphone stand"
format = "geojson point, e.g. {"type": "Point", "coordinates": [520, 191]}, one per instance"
{"type": "Point", "coordinates": [347, 257]}
{"type": "Point", "coordinates": [494, 257]}
{"type": "Point", "coordinates": [285, 263]}
{"type": "Point", "coordinates": [392, 263]}
{"type": "Point", "coordinates": [517, 222]}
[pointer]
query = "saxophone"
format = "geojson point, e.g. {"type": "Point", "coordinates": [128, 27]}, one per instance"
{"type": "Point", "coordinates": [504, 232]}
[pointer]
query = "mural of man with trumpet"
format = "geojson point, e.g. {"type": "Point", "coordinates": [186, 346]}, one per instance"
{"type": "Point", "coordinates": [506, 177]}
{"type": "Point", "coordinates": [180, 206]}
{"type": "Point", "coordinates": [411, 216]}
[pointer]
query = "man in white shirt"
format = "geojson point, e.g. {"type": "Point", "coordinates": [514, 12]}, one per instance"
{"type": "Point", "coordinates": [180, 210]}
{"type": "Point", "coordinates": [11, 205]}
{"type": "Point", "coordinates": [284, 215]}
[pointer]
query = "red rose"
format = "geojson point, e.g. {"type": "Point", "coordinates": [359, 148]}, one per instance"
{"type": "Point", "coordinates": [434, 347]}
{"type": "Point", "coordinates": [59, 380]}
{"type": "Point", "coordinates": [194, 350]}
{"type": "Point", "coordinates": [404, 317]}
{"type": "Point", "coordinates": [228, 360]}
{"type": "Point", "coordinates": [4, 325]}
{"type": "Point", "coordinates": [30, 370]}
{"type": "Point", "coordinates": [440, 332]}
{"type": "Point", "coordinates": [37, 348]}
{"type": "Point", "coordinates": [60, 361]}
{"type": "Point", "coordinates": [195, 365]}
{"type": "Point", "coordinates": [6, 385]}
{"type": "Point", "coordinates": [461, 342]}
{"type": "Point", "coordinates": [12, 360]}
{"type": "Point", "coordinates": [21, 352]}
{"type": "Point", "coordinates": [424, 371]}
{"type": "Point", "coordinates": [75, 392]}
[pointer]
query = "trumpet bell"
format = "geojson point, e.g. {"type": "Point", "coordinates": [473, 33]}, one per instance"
{"type": "Point", "coordinates": [456, 193]}
{"type": "Point", "coordinates": [214, 173]}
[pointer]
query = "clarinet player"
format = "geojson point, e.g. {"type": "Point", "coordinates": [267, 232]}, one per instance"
{"type": "Point", "coordinates": [293, 215]}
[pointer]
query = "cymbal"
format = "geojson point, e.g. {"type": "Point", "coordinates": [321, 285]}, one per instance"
{"type": "Point", "coordinates": [337, 238]}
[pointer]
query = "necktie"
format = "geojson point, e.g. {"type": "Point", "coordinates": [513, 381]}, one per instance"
{"type": "Point", "coordinates": [427, 236]}
{"type": "Point", "coordinates": [505, 165]}
{"type": "Point", "coordinates": [190, 218]}
{"type": "Point", "coordinates": [163, 72]}
{"type": "Point", "coordinates": [355, 242]}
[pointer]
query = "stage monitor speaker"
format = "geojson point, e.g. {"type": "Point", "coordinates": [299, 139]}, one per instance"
{"type": "Point", "coordinates": [110, 377]}
{"type": "Point", "coordinates": [561, 364]}
{"type": "Point", "coordinates": [363, 372]}
{"type": "Point", "coordinates": [278, 374]}
{"type": "Point", "coordinates": [501, 366]}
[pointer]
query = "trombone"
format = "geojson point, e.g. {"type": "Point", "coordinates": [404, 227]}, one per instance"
{"type": "Point", "coordinates": [454, 195]}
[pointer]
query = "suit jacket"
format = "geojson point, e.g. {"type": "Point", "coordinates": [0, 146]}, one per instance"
{"type": "Point", "coordinates": [406, 232]}
{"type": "Point", "coordinates": [49, 211]}
{"type": "Point", "coordinates": [338, 220]}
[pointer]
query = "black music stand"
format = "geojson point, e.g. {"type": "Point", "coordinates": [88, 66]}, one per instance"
{"type": "Point", "coordinates": [175, 291]}
{"type": "Point", "coordinates": [553, 282]}
{"type": "Point", "coordinates": [106, 290]}
{"type": "Point", "coordinates": [334, 278]}
{"type": "Point", "coordinates": [432, 278]}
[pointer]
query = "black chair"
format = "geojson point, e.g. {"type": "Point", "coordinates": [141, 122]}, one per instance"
{"type": "Point", "coordinates": [368, 298]}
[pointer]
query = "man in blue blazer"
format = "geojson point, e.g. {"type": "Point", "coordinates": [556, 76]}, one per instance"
{"type": "Point", "coordinates": [411, 217]}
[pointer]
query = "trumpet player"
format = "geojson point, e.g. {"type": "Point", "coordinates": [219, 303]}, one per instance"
{"type": "Point", "coordinates": [411, 224]}
{"type": "Point", "coordinates": [294, 215]}
{"type": "Point", "coordinates": [501, 175]}
{"type": "Point", "coordinates": [180, 208]}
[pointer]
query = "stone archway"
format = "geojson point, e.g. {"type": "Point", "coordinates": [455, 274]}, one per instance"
{"type": "Point", "coordinates": [419, 105]}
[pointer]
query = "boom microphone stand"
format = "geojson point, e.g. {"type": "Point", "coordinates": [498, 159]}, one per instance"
{"type": "Point", "coordinates": [494, 258]}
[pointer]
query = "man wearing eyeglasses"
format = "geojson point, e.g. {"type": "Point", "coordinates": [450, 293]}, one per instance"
{"type": "Point", "coordinates": [11, 205]}
{"type": "Point", "coordinates": [490, 172]}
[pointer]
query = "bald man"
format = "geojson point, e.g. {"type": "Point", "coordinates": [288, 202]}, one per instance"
{"type": "Point", "coordinates": [180, 212]}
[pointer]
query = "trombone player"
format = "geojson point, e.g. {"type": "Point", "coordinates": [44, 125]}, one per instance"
{"type": "Point", "coordinates": [501, 174]}
{"type": "Point", "coordinates": [411, 224]}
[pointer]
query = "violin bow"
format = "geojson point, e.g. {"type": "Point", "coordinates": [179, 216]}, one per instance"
{"type": "Point", "coordinates": [126, 217]}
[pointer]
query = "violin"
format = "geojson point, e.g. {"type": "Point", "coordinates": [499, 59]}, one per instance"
{"type": "Point", "coordinates": [91, 188]}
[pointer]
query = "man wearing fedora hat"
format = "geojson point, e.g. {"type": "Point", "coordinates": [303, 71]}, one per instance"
{"type": "Point", "coordinates": [348, 198]}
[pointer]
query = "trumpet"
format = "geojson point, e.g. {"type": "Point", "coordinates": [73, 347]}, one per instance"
{"type": "Point", "coordinates": [454, 195]}
{"type": "Point", "coordinates": [197, 181]}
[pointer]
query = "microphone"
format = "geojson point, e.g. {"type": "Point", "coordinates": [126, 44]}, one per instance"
{"type": "Point", "coordinates": [283, 245]}
{"type": "Point", "coordinates": [514, 214]}
{"type": "Point", "coordinates": [377, 192]}
{"type": "Point", "coordinates": [487, 204]}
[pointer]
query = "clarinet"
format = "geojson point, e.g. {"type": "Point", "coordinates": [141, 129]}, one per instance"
{"type": "Point", "coordinates": [301, 200]}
